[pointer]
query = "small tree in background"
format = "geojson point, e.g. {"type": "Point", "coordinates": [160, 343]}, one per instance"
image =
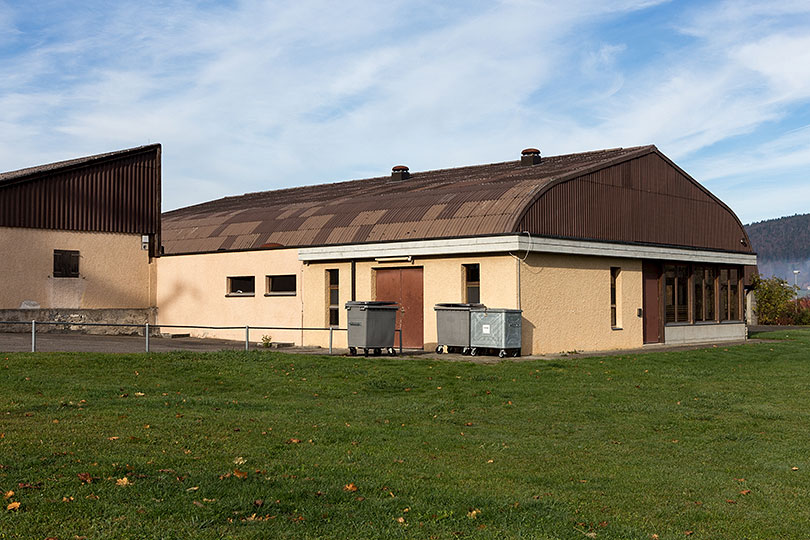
{"type": "Point", "coordinates": [775, 300]}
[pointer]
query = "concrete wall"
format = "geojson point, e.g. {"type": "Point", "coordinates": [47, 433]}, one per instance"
{"type": "Point", "coordinates": [74, 316]}
{"type": "Point", "coordinates": [697, 333]}
{"type": "Point", "coordinates": [192, 290]}
{"type": "Point", "coordinates": [566, 303]}
{"type": "Point", "coordinates": [114, 271]}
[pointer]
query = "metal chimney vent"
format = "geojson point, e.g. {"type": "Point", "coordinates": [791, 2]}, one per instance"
{"type": "Point", "coordinates": [530, 156]}
{"type": "Point", "coordinates": [400, 172]}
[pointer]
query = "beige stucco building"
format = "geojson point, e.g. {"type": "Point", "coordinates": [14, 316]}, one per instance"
{"type": "Point", "coordinates": [80, 238]}
{"type": "Point", "coordinates": [600, 250]}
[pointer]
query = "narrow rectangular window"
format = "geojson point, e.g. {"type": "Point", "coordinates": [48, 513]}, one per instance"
{"type": "Point", "coordinates": [333, 293]}
{"type": "Point", "coordinates": [472, 283]}
{"type": "Point", "coordinates": [241, 286]}
{"type": "Point", "coordinates": [710, 279]}
{"type": "Point", "coordinates": [669, 294]}
{"type": "Point", "coordinates": [676, 293]}
{"type": "Point", "coordinates": [699, 278]}
{"type": "Point", "coordinates": [682, 291]}
{"type": "Point", "coordinates": [614, 279]}
{"type": "Point", "coordinates": [733, 295]}
{"type": "Point", "coordinates": [281, 285]}
{"type": "Point", "coordinates": [65, 263]}
{"type": "Point", "coordinates": [723, 294]}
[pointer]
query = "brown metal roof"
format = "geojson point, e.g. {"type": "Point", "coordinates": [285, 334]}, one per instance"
{"type": "Point", "coordinates": [465, 201]}
{"type": "Point", "coordinates": [478, 200]}
{"type": "Point", "coordinates": [113, 192]}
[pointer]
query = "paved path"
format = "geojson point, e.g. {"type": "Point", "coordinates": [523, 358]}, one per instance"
{"type": "Point", "coordinates": [52, 342]}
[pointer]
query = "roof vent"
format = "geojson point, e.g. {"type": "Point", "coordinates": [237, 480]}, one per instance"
{"type": "Point", "coordinates": [530, 156]}
{"type": "Point", "coordinates": [400, 172]}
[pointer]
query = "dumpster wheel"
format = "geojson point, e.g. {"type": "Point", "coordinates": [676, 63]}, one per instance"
{"type": "Point", "coordinates": [439, 349]}
{"type": "Point", "coordinates": [352, 351]}
{"type": "Point", "coordinates": [502, 353]}
{"type": "Point", "coordinates": [474, 352]}
{"type": "Point", "coordinates": [392, 351]}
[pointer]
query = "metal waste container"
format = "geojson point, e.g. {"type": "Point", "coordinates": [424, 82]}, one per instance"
{"type": "Point", "coordinates": [371, 326]}
{"type": "Point", "coordinates": [496, 329]}
{"type": "Point", "coordinates": [453, 327]}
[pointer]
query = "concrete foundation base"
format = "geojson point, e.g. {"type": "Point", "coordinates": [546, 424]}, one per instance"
{"type": "Point", "coordinates": [73, 316]}
{"type": "Point", "coordinates": [700, 333]}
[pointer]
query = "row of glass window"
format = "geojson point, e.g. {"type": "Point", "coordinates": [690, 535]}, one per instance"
{"type": "Point", "coordinates": [283, 285]}
{"type": "Point", "coordinates": [700, 293]}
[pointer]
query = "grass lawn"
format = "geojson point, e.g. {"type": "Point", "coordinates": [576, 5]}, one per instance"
{"type": "Point", "coordinates": [701, 444]}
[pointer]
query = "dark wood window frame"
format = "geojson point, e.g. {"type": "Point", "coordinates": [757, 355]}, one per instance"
{"type": "Point", "coordinates": [333, 297]}
{"type": "Point", "coordinates": [712, 294]}
{"type": "Point", "coordinates": [615, 271]}
{"type": "Point", "coordinates": [472, 283]}
{"type": "Point", "coordinates": [66, 263]}
{"type": "Point", "coordinates": [281, 285]}
{"type": "Point", "coordinates": [241, 286]}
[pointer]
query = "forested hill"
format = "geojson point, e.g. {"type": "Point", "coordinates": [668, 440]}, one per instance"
{"type": "Point", "coordinates": [782, 239]}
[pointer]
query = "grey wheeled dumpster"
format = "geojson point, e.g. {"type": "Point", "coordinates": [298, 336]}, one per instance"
{"type": "Point", "coordinates": [453, 327]}
{"type": "Point", "coordinates": [496, 330]}
{"type": "Point", "coordinates": [371, 326]}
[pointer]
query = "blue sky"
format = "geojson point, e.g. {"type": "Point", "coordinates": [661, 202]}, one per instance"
{"type": "Point", "coordinates": [251, 95]}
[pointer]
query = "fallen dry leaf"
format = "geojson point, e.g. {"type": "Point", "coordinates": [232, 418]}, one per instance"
{"type": "Point", "coordinates": [240, 474]}
{"type": "Point", "coordinates": [195, 488]}
{"type": "Point", "coordinates": [13, 506]}
{"type": "Point", "coordinates": [293, 441]}
{"type": "Point", "coordinates": [122, 482]}
{"type": "Point", "coordinates": [350, 487]}
{"type": "Point", "coordinates": [794, 468]}
{"type": "Point", "coordinates": [473, 513]}
{"type": "Point", "coordinates": [67, 499]}
{"type": "Point", "coordinates": [197, 503]}
{"type": "Point", "coordinates": [745, 492]}
{"type": "Point", "coordinates": [654, 537]}
{"type": "Point", "coordinates": [8, 495]}
{"type": "Point", "coordinates": [688, 533]}
{"type": "Point", "coordinates": [240, 461]}
{"type": "Point", "coordinates": [86, 478]}
{"type": "Point", "coordinates": [112, 438]}
{"type": "Point", "coordinates": [400, 519]}
{"type": "Point", "coordinates": [139, 394]}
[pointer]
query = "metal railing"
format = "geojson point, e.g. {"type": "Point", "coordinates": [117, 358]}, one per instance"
{"type": "Point", "coordinates": [150, 327]}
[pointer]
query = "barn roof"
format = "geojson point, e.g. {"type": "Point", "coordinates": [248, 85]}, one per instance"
{"type": "Point", "coordinates": [448, 203]}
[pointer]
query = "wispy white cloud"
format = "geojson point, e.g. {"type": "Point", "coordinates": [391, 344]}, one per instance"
{"type": "Point", "coordinates": [252, 95]}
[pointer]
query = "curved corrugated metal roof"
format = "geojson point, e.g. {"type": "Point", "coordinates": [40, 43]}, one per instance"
{"type": "Point", "coordinates": [448, 203]}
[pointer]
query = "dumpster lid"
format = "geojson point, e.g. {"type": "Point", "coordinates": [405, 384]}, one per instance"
{"type": "Point", "coordinates": [451, 305]}
{"type": "Point", "coordinates": [498, 310]}
{"type": "Point", "coordinates": [369, 303]}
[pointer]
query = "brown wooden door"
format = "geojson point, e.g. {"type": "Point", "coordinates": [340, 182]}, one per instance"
{"type": "Point", "coordinates": [404, 286]}
{"type": "Point", "coordinates": [651, 292]}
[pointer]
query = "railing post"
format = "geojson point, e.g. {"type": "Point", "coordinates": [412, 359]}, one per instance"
{"type": "Point", "coordinates": [330, 340]}
{"type": "Point", "coordinates": [400, 340]}
{"type": "Point", "coordinates": [247, 337]}
{"type": "Point", "coordinates": [147, 337]}
{"type": "Point", "coordinates": [33, 336]}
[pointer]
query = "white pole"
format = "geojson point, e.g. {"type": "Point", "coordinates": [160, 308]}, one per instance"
{"type": "Point", "coordinates": [33, 336]}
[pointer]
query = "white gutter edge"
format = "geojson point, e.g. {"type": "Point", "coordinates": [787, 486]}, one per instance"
{"type": "Point", "coordinates": [517, 244]}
